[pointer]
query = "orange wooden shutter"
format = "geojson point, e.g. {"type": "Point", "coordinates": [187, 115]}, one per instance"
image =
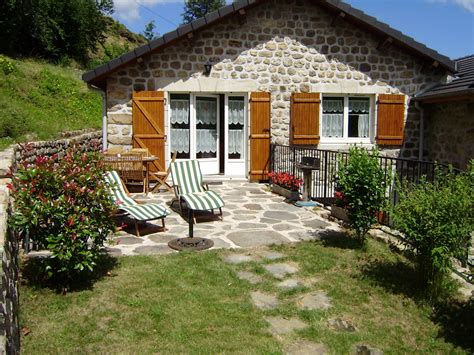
{"type": "Point", "coordinates": [305, 118]}
{"type": "Point", "coordinates": [390, 119]}
{"type": "Point", "coordinates": [148, 112]}
{"type": "Point", "coordinates": [259, 135]}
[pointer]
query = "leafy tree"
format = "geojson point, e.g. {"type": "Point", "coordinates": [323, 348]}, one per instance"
{"type": "Point", "coordinates": [194, 9]}
{"type": "Point", "coordinates": [53, 29]}
{"type": "Point", "coordinates": [149, 32]}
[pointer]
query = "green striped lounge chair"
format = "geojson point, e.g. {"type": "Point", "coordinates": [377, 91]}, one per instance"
{"type": "Point", "coordinates": [189, 188]}
{"type": "Point", "coordinates": [139, 212]}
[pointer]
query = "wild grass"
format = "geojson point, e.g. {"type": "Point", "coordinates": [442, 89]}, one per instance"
{"type": "Point", "coordinates": [39, 100]}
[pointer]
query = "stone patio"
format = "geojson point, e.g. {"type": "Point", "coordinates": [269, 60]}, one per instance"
{"type": "Point", "coordinates": [253, 217]}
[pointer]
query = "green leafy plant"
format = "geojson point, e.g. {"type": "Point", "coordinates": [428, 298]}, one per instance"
{"type": "Point", "coordinates": [64, 205]}
{"type": "Point", "coordinates": [361, 186]}
{"type": "Point", "coordinates": [7, 65]}
{"type": "Point", "coordinates": [437, 219]}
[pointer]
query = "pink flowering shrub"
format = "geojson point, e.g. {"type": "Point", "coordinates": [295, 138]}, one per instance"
{"type": "Point", "coordinates": [64, 205]}
{"type": "Point", "coordinates": [286, 180]}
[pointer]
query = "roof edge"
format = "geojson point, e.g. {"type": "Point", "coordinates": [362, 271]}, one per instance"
{"type": "Point", "coordinates": [95, 75]}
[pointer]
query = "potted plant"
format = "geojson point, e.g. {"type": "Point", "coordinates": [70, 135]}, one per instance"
{"type": "Point", "coordinates": [286, 184]}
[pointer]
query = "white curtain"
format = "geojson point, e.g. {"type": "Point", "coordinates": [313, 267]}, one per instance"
{"type": "Point", "coordinates": [206, 140]}
{"type": "Point", "coordinates": [179, 137]}
{"type": "Point", "coordinates": [236, 141]}
{"type": "Point", "coordinates": [236, 134]}
{"type": "Point", "coordinates": [236, 112]}
{"type": "Point", "coordinates": [361, 108]}
{"type": "Point", "coordinates": [179, 111]}
{"type": "Point", "coordinates": [206, 112]}
{"type": "Point", "coordinates": [333, 125]}
{"type": "Point", "coordinates": [333, 105]}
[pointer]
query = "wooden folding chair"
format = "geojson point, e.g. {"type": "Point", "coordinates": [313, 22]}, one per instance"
{"type": "Point", "coordinates": [162, 176]}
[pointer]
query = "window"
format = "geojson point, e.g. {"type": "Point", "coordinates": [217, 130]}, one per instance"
{"type": "Point", "coordinates": [346, 118]}
{"type": "Point", "coordinates": [179, 132]}
{"type": "Point", "coordinates": [236, 127]}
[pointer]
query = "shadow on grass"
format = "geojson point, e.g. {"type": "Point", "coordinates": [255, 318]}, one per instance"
{"type": "Point", "coordinates": [456, 322]}
{"type": "Point", "coordinates": [341, 240]}
{"type": "Point", "coordinates": [34, 275]}
{"type": "Point", "coordinates": [397, 277]}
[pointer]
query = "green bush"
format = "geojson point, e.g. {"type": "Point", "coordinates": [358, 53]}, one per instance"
{"type": "Point", "coordinates": [6, 65]}
{"type": "Point", "coordinates": [361, 185]}
{"type": "Point", "coordinates": [65, 207]}
{"type": "Point", "coordinates": [437, 219]}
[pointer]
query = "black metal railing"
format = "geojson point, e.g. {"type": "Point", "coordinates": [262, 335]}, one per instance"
{"type": "Point", "coordinates": [284, 159]}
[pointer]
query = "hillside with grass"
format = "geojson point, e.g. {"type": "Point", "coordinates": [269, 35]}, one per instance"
{"type": "Point", "coordinates": [39, 99]}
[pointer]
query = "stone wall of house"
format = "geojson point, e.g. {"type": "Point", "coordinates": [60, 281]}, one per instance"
{"type": "Point", "coordinates": [282, 47]}
{"type": "Point", "coordinates": [449, 133]}
{"type": "Point", "coordinates": [84, 140]}
{"type": "Point", "coordinates": [9, 325]}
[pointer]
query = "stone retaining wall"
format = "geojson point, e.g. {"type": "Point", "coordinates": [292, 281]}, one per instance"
{"type": "Point", "coordinates": [9, 247]}
{"type": "Point", "coordinates": [9, 326]}
{"type": "Point", "coordinates": [449, 133]}
{"type": "Point", "coordinates": [281, 47]}
{"type": "Point", "coordinates": [85, 140]}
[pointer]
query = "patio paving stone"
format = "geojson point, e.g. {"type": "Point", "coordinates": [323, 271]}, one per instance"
{"type": "Point", "coordinates": [316, 224]}
{"type": "Point", "coordinates": [253, 206]}
{"type": "Point", "coordinates": [281, 326]}
{"type": "Point", "coordinates": [283, 227]}
{"type": "Point", "coordinates": [314, 301]}
{"type": "Point", "coordinates": [264, 301]}
{"type": "Point", "coordinates": [280, 215]}
{"type": "Point", "coordinates": [238, 258]}
{"type": "Point", "coordinates": [128, 240]}
{"type": "Point", "coordinates": [271, 255]}
{"type": "Point", "coordinates": [248, 239]}
{"type": "Point", "coordinates": [153, 249]}
{"type": "Point", "coordinates": [280, 270]}
{"type": "Point", "coordinates": [304, 347]}
{"type": "Point", "coordinates": [250, 277]}
{"type": "Point", "coordinates": [252, 226]}
{"type": "Point", "coordinates": [288, 284]}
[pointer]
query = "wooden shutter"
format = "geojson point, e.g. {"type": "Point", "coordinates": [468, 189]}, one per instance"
{"type": "Point", "coordinates": [148, 112]}
{"type": "Point", "coordinates": [259, 136]}
{"type": "Point", "coordinates": [390, 119]}
{"type": "Point", "coordinates": [305, 118]}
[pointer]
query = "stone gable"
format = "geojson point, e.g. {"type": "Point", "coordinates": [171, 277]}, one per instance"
{"type": "Point", "coordinates": [280, 47]}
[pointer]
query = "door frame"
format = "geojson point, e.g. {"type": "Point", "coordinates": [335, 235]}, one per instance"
{"type": "Point", "coordinates": [244, 160]}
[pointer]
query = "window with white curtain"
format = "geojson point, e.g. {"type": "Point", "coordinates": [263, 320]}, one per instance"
{"type": "Point", "coordinates": [179, 125]}
{"type": "Point", "coordinates": [346, 117]}
{"type": "Point", "coordinates": [236, 127]}
{"type": "Point", "coordinates": [206, 127]}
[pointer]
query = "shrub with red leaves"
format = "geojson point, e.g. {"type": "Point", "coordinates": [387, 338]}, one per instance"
{"type": "Point", "coordinates": [64, 206]}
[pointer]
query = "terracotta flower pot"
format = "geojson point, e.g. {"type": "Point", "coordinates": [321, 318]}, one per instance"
{"type": "Point", "coordinates": [291, 195]}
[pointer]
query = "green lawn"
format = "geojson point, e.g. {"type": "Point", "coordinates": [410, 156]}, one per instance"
{"type": "Point", "coordinates": [194, 303]}
{"type": "Point", "coordinates": [38, 100]}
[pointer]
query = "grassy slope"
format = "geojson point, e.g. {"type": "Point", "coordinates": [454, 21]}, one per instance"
{"type": "Point", "coordinates": [38, 100]}
{"type": "Point", "coordinates": [194, 303]}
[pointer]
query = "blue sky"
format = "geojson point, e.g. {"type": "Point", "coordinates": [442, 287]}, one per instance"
{"type": "Point", "coordinates": [444, 25]}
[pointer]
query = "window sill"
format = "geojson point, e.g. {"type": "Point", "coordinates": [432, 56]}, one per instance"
{"type": "Point", "coordinates": [344, 145]}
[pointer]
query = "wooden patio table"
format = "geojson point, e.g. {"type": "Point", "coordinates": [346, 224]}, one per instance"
{"type": "Point", "coordinates": [146, 162]}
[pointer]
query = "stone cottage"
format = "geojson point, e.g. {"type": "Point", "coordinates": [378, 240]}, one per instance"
{"type": "Point", "coordinates": [299, 72]}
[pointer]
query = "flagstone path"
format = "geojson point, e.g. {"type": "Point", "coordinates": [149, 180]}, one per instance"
{"type": "Point", "coordinates": [253, 217]}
